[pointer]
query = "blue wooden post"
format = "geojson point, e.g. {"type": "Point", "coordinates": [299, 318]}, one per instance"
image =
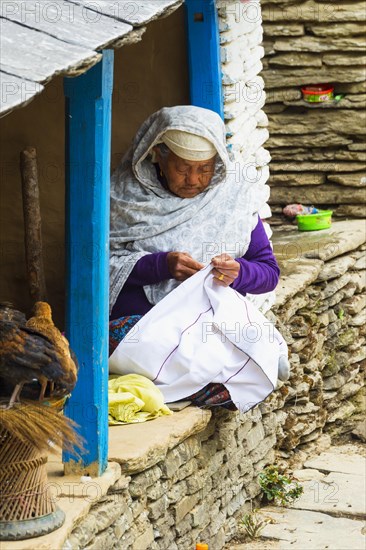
{"type": "Point", "coordinates": [204, 55]}
{"type": "Point", "coordinates": [88, 146]}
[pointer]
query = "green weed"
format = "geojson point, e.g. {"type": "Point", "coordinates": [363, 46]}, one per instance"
{"type": "Point", "coordinates": [280, 489]}
{"type": "Point", "coordinates": [254, 524]}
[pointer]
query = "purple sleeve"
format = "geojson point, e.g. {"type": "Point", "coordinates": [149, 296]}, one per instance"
{"type": "Point", "coordinates": [149, 270]}
{"type": "Point", "coordinates": [259, 271]}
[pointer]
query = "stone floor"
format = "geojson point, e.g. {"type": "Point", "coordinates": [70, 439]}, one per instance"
{"type": "Point", "coordinates": [331, 512]}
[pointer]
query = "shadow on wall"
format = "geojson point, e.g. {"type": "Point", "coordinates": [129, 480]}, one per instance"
{"type": "Point", "coordinates": [148, 75]}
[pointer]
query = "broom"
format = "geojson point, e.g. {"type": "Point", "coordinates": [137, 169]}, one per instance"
{"type": "Point", "coordinates": [40, 425]}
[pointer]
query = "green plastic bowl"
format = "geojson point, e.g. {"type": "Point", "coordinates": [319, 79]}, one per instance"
{"type": "Point", "coordinates": [314, 222]}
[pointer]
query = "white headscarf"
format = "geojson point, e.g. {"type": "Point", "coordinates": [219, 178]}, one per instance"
{"type": "Point", "coordinates": [188, 146]}
{"type": "Point", "coordinates": [146, 217]}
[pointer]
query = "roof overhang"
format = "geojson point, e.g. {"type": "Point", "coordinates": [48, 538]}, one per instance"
{"type": "Point", "coordinates": [40, 39]}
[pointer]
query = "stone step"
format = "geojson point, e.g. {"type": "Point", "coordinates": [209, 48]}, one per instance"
{"type": "Point", "coordinates": [342, 459]}
{"type": "Point", "coordinates": [340, 495]}
{"type": "Point", "coordinates": [317, 520]}
{"type": "Point", "coordinates": [299, 529]}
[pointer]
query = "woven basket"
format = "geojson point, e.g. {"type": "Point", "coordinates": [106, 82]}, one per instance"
{"type": "Point", "coordinates": [26, 506]}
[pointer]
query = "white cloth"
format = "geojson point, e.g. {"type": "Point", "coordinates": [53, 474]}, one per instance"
{"type": "Point", "coordinates": [200, 333]}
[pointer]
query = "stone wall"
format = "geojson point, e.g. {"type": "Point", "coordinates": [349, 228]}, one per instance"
{"type": "Point", "coordinates": [241, 36]}
{"type": "Point", "coordinates": [324, 325]}
{"type": "Point", "coordinates": [318, 152]}
{"type": "Point", "coordinates": [194, 487]}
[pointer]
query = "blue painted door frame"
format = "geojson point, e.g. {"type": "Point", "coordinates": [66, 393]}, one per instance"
{"type": "Point", "coordinates": [204, 60]}
{"type": "Point", "coordinates": [88, 151]}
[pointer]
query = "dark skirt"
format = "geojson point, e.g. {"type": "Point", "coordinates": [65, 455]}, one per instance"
{"type": "Point", "coordinates": [212, 395]}
{"type": "Point", "coordinates": [119, 328]}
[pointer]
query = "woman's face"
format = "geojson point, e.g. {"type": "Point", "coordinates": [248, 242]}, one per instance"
{"type": "Point", "coordinates": [186, 178]}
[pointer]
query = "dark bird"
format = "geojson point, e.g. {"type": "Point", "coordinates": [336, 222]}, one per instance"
{"type": "Point", "coordinates": [31, 359]}
{"type": "Point", "coordinates": [43, 324]}
{"type": "Point", "coordinates": [34, 351]}
{"type": "Point", "coordinates": [25, 356]}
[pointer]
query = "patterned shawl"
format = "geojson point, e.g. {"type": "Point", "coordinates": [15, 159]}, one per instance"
{"type": "Point", "coordinates": [147, 218]}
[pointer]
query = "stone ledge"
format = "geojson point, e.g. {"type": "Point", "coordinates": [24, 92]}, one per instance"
{"type": "Point", "coordinates": [296, 275]}
{"type": "Point", "coordinates": [301, 255]}
{"type": "Point", "coordinates": [137, 447]}
{"type": "Point", "coordinates": [341, 237]}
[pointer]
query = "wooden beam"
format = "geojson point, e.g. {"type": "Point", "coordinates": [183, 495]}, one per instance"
{"type": "Point", "coordinates": [204, 55]}
{"type": "Point", "coordinates": [88, 146]}
{"type": "Point", "coordinates": [32, 225]}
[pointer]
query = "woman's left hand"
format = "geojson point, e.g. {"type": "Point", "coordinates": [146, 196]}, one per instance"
{"type": "Point", "coordinates": [226, 269]}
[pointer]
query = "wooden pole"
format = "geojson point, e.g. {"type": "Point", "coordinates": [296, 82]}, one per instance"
{"type": "Point", "coordinates": [88, 150]}
{"type": "Point", "coordinates": [204, 63]}
{"type": "Point", "coordinates": [32, 224]}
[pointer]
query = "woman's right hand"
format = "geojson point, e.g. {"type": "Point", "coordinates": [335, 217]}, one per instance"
{"type": "Point", "coordinates": [182, 266]}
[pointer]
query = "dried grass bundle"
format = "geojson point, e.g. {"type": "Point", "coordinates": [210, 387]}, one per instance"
{"type": "Point", "coordinates": [42, 426]}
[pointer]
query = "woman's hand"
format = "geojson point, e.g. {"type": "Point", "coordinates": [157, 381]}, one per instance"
{"type": "Point", "coordinates": [226, 269]}
{"type": "Point", "coordinates": [182, 266]}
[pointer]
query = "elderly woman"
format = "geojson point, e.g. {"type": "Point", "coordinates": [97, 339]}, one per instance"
{"type": "Point", "coordinates": [177, 204]}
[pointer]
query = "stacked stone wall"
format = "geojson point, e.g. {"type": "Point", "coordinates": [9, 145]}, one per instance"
{"type": "Point", "coordinates": [193, 495]}
{"type": "Point", "coordinates": [324, 326]}
{"type": "Point", "coordinates": [205, 482]}
{"type": "Point", "coordinates": [241, 36]}
{"type": "Point", "coordinates": [318, 152]}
